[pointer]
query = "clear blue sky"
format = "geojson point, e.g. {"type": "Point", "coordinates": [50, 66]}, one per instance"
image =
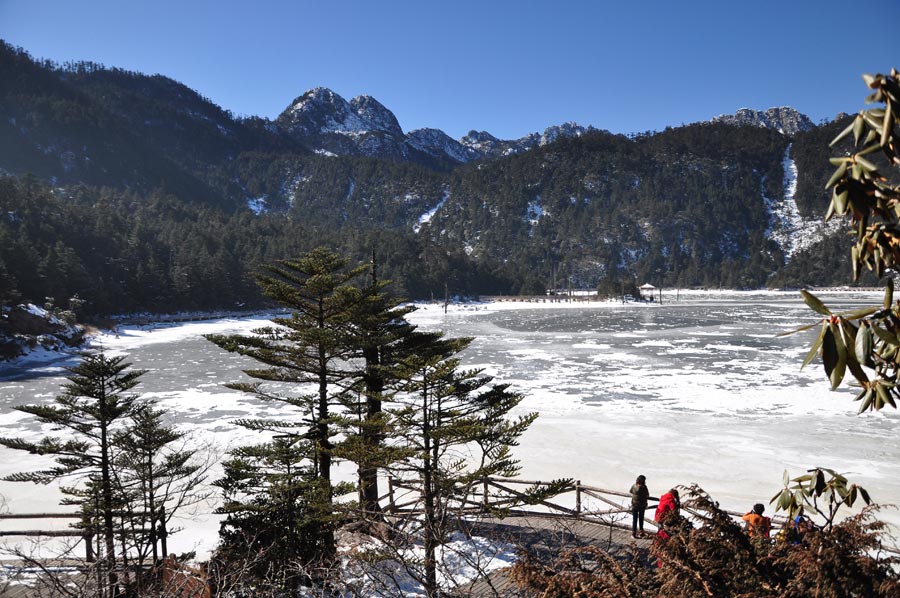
{"type": "Point", "coordinates": [508, 67]}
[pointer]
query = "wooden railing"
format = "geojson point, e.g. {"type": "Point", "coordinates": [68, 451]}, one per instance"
{"type": "Point", "coordinates": [613, 508]}
{"type": "Point", "coordinates": [88, 531]}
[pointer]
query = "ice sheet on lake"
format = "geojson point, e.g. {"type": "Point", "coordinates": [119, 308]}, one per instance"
{"type": "Point", "coordinates": [696, 391]}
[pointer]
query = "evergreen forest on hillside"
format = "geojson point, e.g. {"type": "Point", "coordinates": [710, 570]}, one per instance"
{"type": "Point", "coordinates": [133, 192]}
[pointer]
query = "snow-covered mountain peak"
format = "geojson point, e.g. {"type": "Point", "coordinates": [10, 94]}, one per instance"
{"type": "Point", "coordinates": [475, 138]}
{"type": "Point", "coordinates": [314, 98]}
{"type": "Point", "coordinates": [322, 119]}
{"type": "Point", "coordinates": [567, 129]}
{"type": "Point", "coordinates": [320, 110]}
{"type": "Point", "coordinates": [489, 146]}
{"type": "Point", "coordinates": [783, 119]}
{"type": "Point", "coordinates": [373, 112]}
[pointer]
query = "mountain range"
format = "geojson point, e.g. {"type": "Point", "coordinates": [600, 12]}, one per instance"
{"type": "Point", "coordinates": [324, 121]}
{"type": "Point", "coordinates": [731, 202]}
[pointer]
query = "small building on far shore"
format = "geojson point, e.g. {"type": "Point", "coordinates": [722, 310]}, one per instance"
{"type": "Point", "coordinates": [647, 291]}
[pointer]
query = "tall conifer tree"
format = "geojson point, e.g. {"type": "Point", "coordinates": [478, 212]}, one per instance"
{"type": "Point", "coordinates": [455, 425]}
{"type": "Point", "coordinates": [308, 348]}
{"type": "Point", "coordinates": [379, 327]}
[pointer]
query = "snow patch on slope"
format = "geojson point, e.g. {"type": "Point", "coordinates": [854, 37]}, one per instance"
{"type": "Point", "coordinates": [534, 211]}
{"type": "Point", "coordinates": [788, 228]}
{"type": "Point", "coordinates": [427, 216]}
{"type": "Point", "coordinates": [257, 205]}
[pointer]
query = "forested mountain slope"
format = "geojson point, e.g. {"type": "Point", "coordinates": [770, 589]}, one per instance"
{"type": "Point", "coordinates": [137, 193]}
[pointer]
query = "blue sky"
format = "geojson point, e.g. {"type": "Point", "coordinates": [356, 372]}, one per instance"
{"type": "Point", "coordinates": [508, 67]}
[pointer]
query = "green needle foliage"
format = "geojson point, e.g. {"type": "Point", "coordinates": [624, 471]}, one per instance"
{"type": "Point", "coordinates": [309, 350]}
{"type": "Point", "coordinates": [276, 511]}
{"type": "Point", "coordinates": [379, 328]}
{"type": "Point", "coordinates": [157, 474]}
{"type": "Point", "coordinates": [455, 426]}
{"type": "Point", "coordinates": [94, 407]}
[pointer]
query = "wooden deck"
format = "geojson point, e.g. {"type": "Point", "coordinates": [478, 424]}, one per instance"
{"type": "Point", "coordinates": [23, 580]}
{"type": "Point", "coordinates": [547, 536]}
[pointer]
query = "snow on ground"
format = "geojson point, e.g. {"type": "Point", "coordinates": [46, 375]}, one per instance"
{"type": "Point", "coordinates": [461, 560]}
{"type": "Point", "coordinates": [534, 211]}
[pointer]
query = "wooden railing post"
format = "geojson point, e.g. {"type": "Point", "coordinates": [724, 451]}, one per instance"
{"type": "Point", "coordinates": [485, 501]}
{"type": "Point", "coordinates": [163, 534]}
{"type": "Point", "coordinates": [578, 497]}
{"type": "Point", "coordinates": [154, 537]}
{"type": "Point", "coordinates": [390, 494]}
{"type": "Point", "coordinates": [88, 538]}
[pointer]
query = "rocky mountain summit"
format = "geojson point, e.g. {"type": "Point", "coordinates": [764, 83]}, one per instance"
{"type": "Point", "coordinates": [784, 119]}
{"type": "Point", "coordinates": [489, 146]}
{"type": "Point", "coordinates": [327, 123]}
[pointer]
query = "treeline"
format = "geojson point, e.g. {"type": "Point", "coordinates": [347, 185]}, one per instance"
{"type": "Point", "coordinates": [122, 252]}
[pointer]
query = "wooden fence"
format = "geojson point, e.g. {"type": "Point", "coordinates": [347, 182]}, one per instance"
{"type": "Point", "coordinates": [585, 502]}
{"type": "Point", "coordinates": [88, 531]}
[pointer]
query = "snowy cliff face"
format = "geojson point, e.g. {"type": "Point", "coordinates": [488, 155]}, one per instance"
{"type": "Point", "coordinates": [788, 228]}
{"type": "Point", "coordinates": [568, 129]}
{"type": "Point", "coordinates": [785, 119]}
{"type": "Point", "coordinates": [376, 116]}
{"type": "Point", "coordinates": [325, 122]}
{"type": "Point", "coordinates": [320, 111]}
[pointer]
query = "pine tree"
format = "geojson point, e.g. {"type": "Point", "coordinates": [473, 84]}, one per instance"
{"type": "Point", "coordinates": [455, 425]}
{"type": "Point", "coordinates": [94, 406]}
{"type": "Point", "coordinates": [378, 327]}
{"type": "Point", "coordinates": [308, 347]}
{"type": "Point", "coordinates": [157, 474]}
{"type": "Point", "coordinates": [276, 519]}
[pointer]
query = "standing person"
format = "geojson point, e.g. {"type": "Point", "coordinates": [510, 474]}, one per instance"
{"type": "Point", "coordinates": [669, 504]}
{"type": "Point", "coordinates": [639, 497]}
{"type": "Point", "coordinates": [757, 524]}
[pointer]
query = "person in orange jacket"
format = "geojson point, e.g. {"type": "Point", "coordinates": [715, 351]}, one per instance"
{"type": "Point", "coordinates": [757, 524]}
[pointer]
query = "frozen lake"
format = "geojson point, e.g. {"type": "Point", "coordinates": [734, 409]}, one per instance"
{"type": "Point", "coordinates": [695, 391]}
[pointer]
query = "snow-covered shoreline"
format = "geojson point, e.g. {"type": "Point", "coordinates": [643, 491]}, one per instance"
{"type": "Point", "coordinates": [139, 325]}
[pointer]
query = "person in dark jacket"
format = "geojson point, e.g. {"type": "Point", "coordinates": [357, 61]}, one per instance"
{"type": "Point", "coordinates": [639, 497]}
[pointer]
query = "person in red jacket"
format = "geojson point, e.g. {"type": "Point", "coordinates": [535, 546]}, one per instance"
{"type": "Point", "coordinates": [669, 503]}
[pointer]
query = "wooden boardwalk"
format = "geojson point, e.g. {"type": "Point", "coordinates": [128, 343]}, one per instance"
{"type": "Point", "coordinates": [546, 535]}
{"type": "Point", "coordinates": [23, 580]}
